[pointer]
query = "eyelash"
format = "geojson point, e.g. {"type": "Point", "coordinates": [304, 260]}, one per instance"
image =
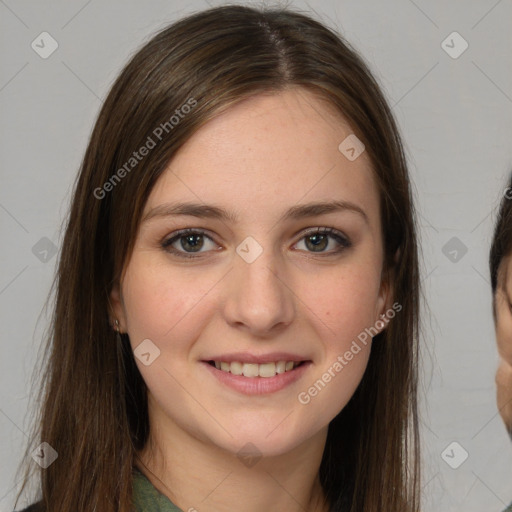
{"type": "Point", "coordinates": [333, 233]}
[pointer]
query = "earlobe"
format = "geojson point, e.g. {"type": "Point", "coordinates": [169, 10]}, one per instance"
{"type": "Point", "coordinates": [387, 292]}
{"type": "Point", "coordinates": [384, 301]}
{"type": "Point", "coordinates": [116, 308]}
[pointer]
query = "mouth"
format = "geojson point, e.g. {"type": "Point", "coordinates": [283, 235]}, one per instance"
{"type": "Point", "coordinates": [252, 374]}
{"type": "Point", "coordinates": [254, 370]}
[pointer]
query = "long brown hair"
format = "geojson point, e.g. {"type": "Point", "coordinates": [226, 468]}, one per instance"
{"type": "Point", "coordinates": [93, 398]}
{"type": "Point", "coordinates": [501, 246]}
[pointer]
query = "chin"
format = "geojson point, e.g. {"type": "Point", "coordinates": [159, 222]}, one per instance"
{"type": "Point", "coordinates": [252, 450]}
{"type": "Point", "coordinates": [269, 441]}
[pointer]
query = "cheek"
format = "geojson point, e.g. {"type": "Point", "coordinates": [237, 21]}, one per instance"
{"type": "Point", "coordinates": [159, 301]}
{"type": "Point", "coordinates": [167, 306]}
{"type": "Point", "coordinates": [345, 301]}
{"type": "Point", "coordinates": [180, 308]}
{"type": "Point", "coordinates": [171, 305]}
{"type": "Point", "coordinates": [504, 335]}
{"type": "Point", "coordinates": [504, 392]}
{"type": "Point", "coordinates": [343, 312]}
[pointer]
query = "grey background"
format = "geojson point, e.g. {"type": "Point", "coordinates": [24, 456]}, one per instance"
{"type": "Point", "coordinates": [455, 116]}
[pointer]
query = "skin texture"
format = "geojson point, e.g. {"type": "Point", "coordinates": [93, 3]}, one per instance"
{"type": "Point", "coordinates": [503, 303]}
{"type": "Point", "coordinates": [257, 159]}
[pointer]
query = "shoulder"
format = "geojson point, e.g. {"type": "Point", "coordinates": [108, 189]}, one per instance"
{"type": "Point", "coordinates": [35, 507]}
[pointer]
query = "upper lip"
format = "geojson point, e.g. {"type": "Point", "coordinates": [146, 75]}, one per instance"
{"type": "Point", "coordinates": [247, 357]}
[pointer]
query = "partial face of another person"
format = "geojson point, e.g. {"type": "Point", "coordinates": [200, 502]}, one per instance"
{"type": "Point", "coordinates": [503, 304]}
{"type": "Point", "coordinates": [259, 284]}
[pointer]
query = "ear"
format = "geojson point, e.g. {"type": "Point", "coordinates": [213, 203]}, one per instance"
{"type": "Point", "coordinates": [386, 294]}
{"type": "Point", "coordinates": [117, 311]}
{"type": "Point", "coordinates": [385, 297]}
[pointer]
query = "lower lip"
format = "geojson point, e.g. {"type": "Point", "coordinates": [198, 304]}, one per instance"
{"type": "Point", "coordinates": [258, 385]}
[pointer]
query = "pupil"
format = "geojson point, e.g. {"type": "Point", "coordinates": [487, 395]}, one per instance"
{"type": "Point", "coordinates": [319, 239]}
{"type": "Point", "coordinates": [194, 246]}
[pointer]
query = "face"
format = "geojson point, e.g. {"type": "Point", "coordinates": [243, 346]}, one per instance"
{"type": "Point", "coordinates": [260, 285]}
{"type": "Point", "coordinates": [503, 303]}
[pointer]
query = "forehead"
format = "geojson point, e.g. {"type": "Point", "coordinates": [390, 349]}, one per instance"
{"type": "Point", "coordinates": [270, 149]}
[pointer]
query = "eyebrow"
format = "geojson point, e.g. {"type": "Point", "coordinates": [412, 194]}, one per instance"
{"type": "Point", "coordinates": [216, 212]}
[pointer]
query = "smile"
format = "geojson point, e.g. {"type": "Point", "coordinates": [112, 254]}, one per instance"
{"type": "Point", "coordinates": [257, 378]}
{"type": "Point", "coordinates": [265, 370]}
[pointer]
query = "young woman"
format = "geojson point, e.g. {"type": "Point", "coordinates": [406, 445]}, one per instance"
{"type": "Point", "coordinates": [501, 281]}
{"type": "Point", "coordinates": [236, 311]}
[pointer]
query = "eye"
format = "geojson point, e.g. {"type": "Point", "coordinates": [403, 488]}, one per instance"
{"type": "Point", "coordinates": [189, 240]}
{"type": "Point", "coordinates": [187, 243]}
{"type": "Point", "coordinates": [317, 240]}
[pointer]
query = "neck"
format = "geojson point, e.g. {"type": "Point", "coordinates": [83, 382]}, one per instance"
{"type": "Point", "coordinates": [196, 475]}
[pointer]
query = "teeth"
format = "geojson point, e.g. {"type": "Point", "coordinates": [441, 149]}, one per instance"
{"type": "Point", "coordinates": [264, 370]}
{"type": "Point", "coordinates": [236, 368]}
{"type": "Point", "coordinates": [250, 370]}
{"type": "Point", "coordinates": [267, 370]}
{"type": "Point", "coordinates": [281, 366]}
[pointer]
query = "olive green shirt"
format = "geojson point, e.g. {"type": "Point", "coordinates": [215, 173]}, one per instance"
{"type": "Point", "coordinates": [147, 498]}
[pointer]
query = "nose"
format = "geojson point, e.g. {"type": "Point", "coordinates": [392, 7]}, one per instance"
{"type": "Point", "coordinates": [258, 297]}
